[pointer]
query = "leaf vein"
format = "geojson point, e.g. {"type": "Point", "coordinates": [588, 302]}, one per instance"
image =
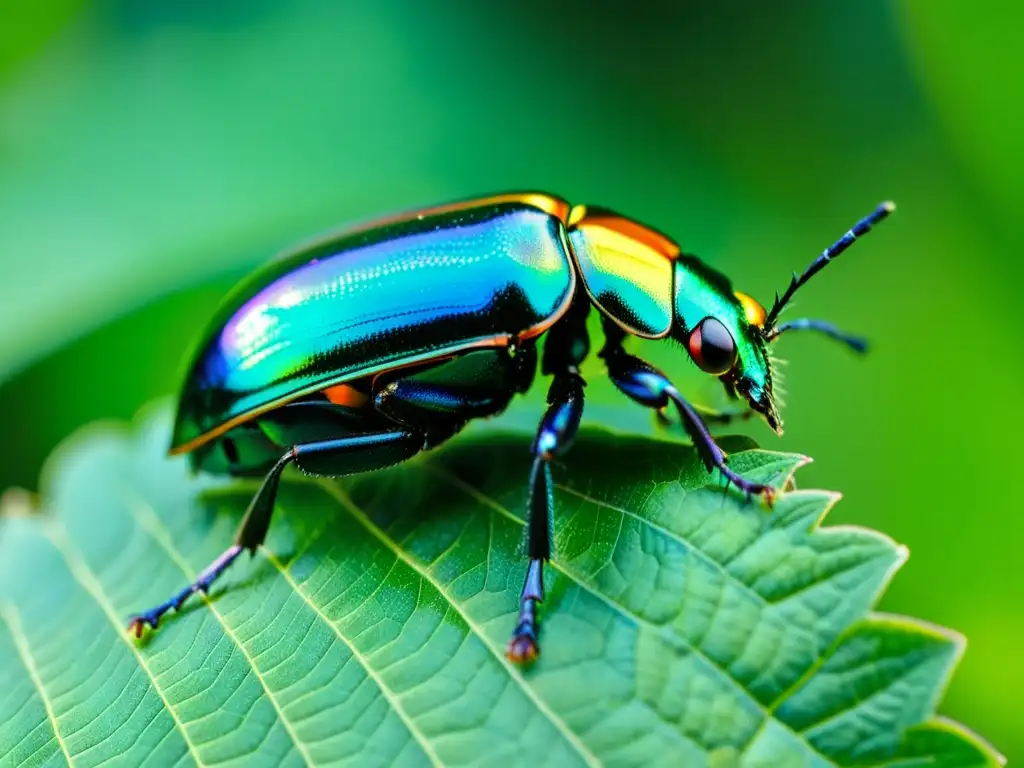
{"type": "Point", "coordinates": [392, 696]}
{"type": "Point", "coordinates": [128, 716]}
{"type": "Point", "coordinates": [621, 609]}
{"type": "Point", "coordinates": [81, 572]}
{"type": "Point", "coordinates": [86, 652]}
{"type": "Point", "coordinates": [111, 700]}
{"type": "Point", "coordinates": [148, 520]}
{"type": "Point", "coordinates": [343, 499]}
{"type": "Point", "coordinates": [704, 556]}
{"type": "Point", "coordinates": [10, 616]}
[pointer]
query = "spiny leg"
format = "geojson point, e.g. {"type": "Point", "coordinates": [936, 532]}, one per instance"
{"type": "Point", "coordinates": [648, 386]}
{"type": "Point", "coordinates": [346, 455]}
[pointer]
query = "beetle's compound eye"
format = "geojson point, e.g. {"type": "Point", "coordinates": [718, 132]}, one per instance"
{"type": "Point", "coordinates": [712, 347]}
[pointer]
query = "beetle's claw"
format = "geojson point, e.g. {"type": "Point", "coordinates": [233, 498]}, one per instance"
{"type": "Point", "coordinates": [522, 648]}
{"type": "Point", "coordinates": [768, 495]}
{"type": "Point", "coordinates": [764, 493]}
{"type": "Point", "coordinates": [138, 623]}
{"type": "Point", "coordinates": [662, 418]}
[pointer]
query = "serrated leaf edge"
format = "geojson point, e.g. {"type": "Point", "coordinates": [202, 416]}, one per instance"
{"type": "Point", "coordinates": [661, 632]}
{"type": "Point", "coordinates": [146, 414]}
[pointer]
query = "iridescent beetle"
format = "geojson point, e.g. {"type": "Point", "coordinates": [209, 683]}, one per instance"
{"type": "Point", "coordinates": [361, 350]}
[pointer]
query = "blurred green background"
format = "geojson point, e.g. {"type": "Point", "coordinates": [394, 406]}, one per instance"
{"type": "Point", "coordinates": [151, 153]}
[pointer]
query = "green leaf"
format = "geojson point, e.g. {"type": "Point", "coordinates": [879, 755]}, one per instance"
{"type": "Point", "coordinates": [683, 626]}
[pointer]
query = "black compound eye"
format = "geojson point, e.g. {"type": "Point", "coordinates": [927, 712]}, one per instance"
{"type": "Point", "coordinates": [712, 346]}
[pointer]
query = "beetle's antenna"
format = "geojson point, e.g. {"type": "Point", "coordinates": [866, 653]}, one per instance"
{"type": "Point", "coordinates": [859, 229]}
{"type": "Point", "coordinates": [856, 343]}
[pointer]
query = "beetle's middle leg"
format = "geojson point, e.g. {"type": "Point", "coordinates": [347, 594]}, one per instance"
{"type": "Point", "coordinates": [442, 398]}
{"type": "Point", "coordinates": [554, 437]}
{"type": "Point", "coordinates": [344, 455]}
{"type": "Point", "coordinates": [566, 347]}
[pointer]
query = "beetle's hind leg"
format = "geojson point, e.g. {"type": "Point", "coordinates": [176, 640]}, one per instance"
{"type": "Point", "coordinates": [410, 412]}
{"type": "Point", "coordinates": [341, 456]}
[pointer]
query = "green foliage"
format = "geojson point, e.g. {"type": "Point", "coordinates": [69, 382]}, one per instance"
{"type": "Point", "coordinates": [152, 152]}
{"type": "Point", "coordinates": [683, 626]}
{"type": "Point", "coordinates": [155, 197]}
{"type": "Point", "coordinates": [974, 94]}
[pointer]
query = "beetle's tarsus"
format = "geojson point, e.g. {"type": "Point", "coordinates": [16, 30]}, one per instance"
{"type": "Point", "coordinates": [151, 618]}
{"type": "Point", "coordinates": [765, 492]}
{"type": "Point", "coordinates": [138, 625]}
{"type": "Point", "coordinates": [522, 648]}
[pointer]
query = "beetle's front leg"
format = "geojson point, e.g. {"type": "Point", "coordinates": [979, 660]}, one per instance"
{"type": "Point", "coordinates": [708, 415]}
{"type": "Point", "coordinates": [645, 384]}
{"type": "Point", "coordinates": [346, 455]}
{"type": "Point", "coordinates": [554, 437]}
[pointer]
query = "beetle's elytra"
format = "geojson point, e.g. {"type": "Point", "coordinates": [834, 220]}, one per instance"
{"type": "Point", "coordinates": [358, 351]}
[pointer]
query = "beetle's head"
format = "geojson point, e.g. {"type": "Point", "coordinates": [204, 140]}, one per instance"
{"type": "Point", "coordinates": [728, 333]}
{"type": "Point", "coordinates": [724, 333]}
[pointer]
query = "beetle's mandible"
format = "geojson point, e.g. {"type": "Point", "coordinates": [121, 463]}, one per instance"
{"type": "Point", "coordinates": [360, 350]}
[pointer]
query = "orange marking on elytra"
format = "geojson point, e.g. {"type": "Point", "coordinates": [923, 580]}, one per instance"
{"type": "Point", "coordinates": [346, 395]}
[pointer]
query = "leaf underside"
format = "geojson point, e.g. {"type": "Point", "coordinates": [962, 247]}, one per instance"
{"type": "Point", "coordinates": [683, 626]}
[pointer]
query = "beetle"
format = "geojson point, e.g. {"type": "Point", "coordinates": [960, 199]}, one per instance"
{"type": "Point", "coordinates": [362, 349]}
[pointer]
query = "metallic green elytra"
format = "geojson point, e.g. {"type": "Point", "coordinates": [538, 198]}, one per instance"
{"type": "Point", "coordinates": [406, 292]}
{"type": "Point", "coordinates": [360, 350]}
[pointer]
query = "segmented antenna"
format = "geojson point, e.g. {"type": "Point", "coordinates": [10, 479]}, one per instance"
{"type": "Point", "coordinates": [856, 343]}
{"type": "Point", "coordinates": [859, 229]}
